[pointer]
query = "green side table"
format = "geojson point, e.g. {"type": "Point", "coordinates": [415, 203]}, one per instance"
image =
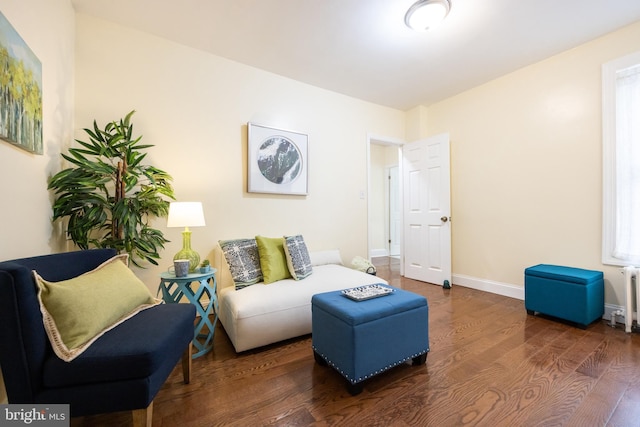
{"type": "Point", "coordinates": [196, 288]}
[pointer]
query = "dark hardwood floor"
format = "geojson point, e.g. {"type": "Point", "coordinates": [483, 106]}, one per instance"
{"type": "Point", "coordinates": [490, 365]}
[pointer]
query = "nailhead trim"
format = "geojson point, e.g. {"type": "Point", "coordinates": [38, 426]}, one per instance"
{"type": "Point", "coordinates": [360, 379]}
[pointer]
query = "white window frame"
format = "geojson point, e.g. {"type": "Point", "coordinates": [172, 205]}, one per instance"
{"type": "Point", "coordinates": [609, 71]}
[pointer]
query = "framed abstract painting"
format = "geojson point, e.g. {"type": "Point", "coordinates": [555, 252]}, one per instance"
{"type": "Point", "coordinates": [278, 161]}
{"type": "Point", "coordinates": [20, 91]}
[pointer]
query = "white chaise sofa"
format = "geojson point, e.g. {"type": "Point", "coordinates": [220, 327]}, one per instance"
{"type": "Point", "coordinates": [263, 314]}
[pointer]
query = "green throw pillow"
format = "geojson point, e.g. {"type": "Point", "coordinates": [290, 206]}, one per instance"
{"type": "Point", "coordinates": [77, 311]}
{"type": "Point", "coordinates": [273, 261]}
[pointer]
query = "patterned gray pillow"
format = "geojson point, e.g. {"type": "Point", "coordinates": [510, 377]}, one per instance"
{"type": "Point", "coordinates": [244, 261]}
{"type": "Point", "coordinates": [298, 259]}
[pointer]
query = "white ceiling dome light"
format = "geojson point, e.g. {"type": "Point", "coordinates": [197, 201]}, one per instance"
{"type": "Point", "coordinates": [425, 14]}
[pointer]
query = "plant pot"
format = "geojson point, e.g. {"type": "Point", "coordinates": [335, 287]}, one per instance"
{"type": "Point", "coordinates": [205, 269]}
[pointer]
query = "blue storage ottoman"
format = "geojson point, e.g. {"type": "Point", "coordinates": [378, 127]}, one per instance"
{"type": "Point", "coordinates": [363, 338]}
{"type": "Point", "coordinates": [572, 294]}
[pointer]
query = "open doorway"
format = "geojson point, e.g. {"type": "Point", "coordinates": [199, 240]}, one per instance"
{"type": "Point", "coordinates": [384, 201]}
{"type": "Point", "coordinates": [393, 205]}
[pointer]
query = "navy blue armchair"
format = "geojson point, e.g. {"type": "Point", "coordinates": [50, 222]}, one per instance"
{"type": "Point", "coordinates": [121, 371]}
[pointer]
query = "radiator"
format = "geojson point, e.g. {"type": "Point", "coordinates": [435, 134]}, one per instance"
{"type": "Point", "coordinates": [631, 277]}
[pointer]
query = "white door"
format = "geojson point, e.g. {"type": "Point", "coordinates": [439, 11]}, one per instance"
{"type": "Point", "coordinates": [427, 210]}
{"type": "Point", "coordinates": [395, 212]}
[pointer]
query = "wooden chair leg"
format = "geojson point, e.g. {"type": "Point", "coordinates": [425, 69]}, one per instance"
{"type": "Point", "coordinates": [143, 417]}
{"type": "Point", "coordinates": [186, 364]}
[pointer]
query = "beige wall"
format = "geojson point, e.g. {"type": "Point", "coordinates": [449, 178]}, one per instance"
{"type": "Point", "coordinates": [526, 159]}
{"type": "Point", "coordinates": [195, 106]}
{"type": "Point", "coordinates": [47, 27]}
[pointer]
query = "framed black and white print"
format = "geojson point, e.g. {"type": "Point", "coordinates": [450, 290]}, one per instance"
{"type": "Point", "coordinates": [278, 161]}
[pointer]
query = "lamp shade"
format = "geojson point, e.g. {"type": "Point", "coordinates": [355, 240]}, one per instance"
{"type": "Point", "coordinates": [185, 214]}
{"type": "Point", "coordinates": [425, 14]}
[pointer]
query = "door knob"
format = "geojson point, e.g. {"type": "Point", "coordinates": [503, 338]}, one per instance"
{"type": "Point", "coordinates": [444, 219]}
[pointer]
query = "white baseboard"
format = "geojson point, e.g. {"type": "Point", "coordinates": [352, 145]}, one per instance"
{"type": "Point", "coordinates": [610, 308]}
{"type": "Point", "coordinates": [491, 286]}
{"type": "Point", "coordinates": [378, 253]}
{"type": "Point", "coordinates": [517, 292]}
{"type": "Point", "coordinates": [507, 290]}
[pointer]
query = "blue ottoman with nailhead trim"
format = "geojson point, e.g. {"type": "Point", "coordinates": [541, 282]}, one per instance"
{"type": "Point", "coordinates": [568, 293]}
{"type": "Point", "coordinates": [360, 339]}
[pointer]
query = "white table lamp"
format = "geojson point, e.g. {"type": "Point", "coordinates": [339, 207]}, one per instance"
{"type": "Point", "coordinates": [186, 214]}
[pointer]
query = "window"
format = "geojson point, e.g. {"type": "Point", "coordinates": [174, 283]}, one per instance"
{"type": "Point", "coordinates": [621, 161]}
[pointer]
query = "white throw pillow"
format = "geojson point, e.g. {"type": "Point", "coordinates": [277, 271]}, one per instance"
{"type": "Point", "coordinates": [325, 257]}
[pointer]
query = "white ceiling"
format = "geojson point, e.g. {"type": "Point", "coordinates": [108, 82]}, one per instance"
{"type": "Point", "coordinates": [363, 49]}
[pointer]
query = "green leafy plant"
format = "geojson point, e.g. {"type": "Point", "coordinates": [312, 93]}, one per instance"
{"type": "Point", "coordinates": [205, 266]}
{"type": "Point", "coordinates": [109, 195]}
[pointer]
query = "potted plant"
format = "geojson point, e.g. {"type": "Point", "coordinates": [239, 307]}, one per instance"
{"type": "Point", "coordinates": [108, 195]}
{"type": "Point", "coordinates": [205, 266]}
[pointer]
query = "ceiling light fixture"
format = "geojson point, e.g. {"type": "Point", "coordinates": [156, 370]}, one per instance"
{"type": "Point", "coordinates": [425, 14]}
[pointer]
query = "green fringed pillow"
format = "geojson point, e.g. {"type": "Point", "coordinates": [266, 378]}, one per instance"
{"type": "Point", "coordinates": [76, 312]}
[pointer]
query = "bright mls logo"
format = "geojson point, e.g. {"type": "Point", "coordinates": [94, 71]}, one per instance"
{"type": "Point", "coordinates": [36, 415]}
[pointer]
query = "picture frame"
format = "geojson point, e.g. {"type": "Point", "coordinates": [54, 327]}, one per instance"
{"type": "Point", "coordinates": [278, 161]}
{"type": "Point", "coordinates": [21, 98]}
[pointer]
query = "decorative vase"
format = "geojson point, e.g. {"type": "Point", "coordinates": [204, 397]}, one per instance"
{"type": "Point", "coordinates": [187, 253]}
